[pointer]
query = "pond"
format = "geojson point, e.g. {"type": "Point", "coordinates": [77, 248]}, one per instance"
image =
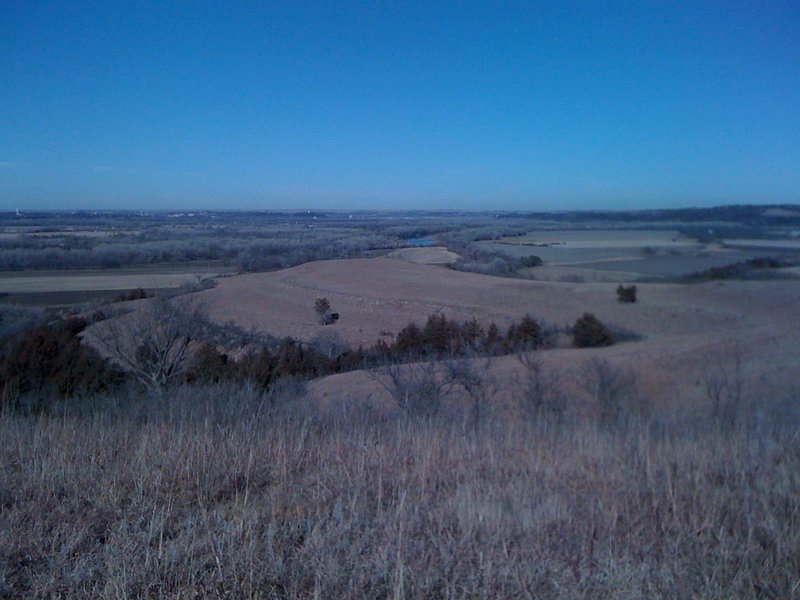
{"type": "Point", "coordinates": [421, 242]}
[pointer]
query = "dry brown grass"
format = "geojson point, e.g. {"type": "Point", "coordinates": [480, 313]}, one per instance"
{"type": "Point", "coordinates": [682, 326]}
{"type": "Point", "coordinates": [214, 494]}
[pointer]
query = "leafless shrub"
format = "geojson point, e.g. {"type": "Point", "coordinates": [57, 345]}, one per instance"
{"type": "Point", "coordinates": [418, 388]}
{"type": "Point", "coordinates": [539, 392]}
{"type": "Point", "coordinates": [476, 379]}
{"type": "Point", "coordinates": [14, 319]}
{"type": "Point", "coordinates": [612, 388]}
{"type": "Point", "coordinates": [329, 343]}
{"type": "Point", "coordinates": [725, 387]}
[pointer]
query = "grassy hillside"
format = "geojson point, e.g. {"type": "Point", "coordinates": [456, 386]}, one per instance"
{"type": "Point", "coordinates": [236, 493]}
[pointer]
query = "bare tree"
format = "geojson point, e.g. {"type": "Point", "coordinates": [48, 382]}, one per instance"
{"type": "Point", "coordinates": [329, 343]}
{"type": "Point", "coordinates": [539, 390]}
{"type": "Point", "coordinates": [475, 378]}
{"type": "Point", "coordinates": [609, 386]}
{"type": "Point", "coordinates": [153, 343]}
{"type": "Point", "coordinates": [418, 388]}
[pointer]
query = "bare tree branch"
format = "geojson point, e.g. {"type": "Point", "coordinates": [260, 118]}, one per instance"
{"type": "Point", "coordinates": [154, 343]}
{"type": "Point", "coordinates": [475, 378]}
{"type": "Point", "coordinates": [540, 393]}
{"type": "Point", "coordinates": [417, 388]}
{"type": "Point", "coordinates": [611, 387]}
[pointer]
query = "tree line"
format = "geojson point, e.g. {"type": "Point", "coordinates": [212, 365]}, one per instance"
{"type": "Point", "coordinates": [166, 345]}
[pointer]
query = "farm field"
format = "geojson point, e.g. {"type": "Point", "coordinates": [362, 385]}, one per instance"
{"type": "Point", "coordinates": [620, 255]}
{"type": "Point", "coordinates": [602, 238]}
{"type": "Point", "coordinates": [12, 233]}
{"type": "Point", "coordinates": [792, 245]}
{"type": "Point", "coordinates": [47, 288]}
{"type": "Point", "coordinates": [668, 266]}
{"type": "Point", "coordinates": [436, 255]}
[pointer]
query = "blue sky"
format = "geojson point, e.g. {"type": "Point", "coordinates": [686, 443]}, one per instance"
{"type": "Point", "coordinates": [467, 105]}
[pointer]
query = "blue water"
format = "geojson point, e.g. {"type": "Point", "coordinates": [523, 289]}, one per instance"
{"type": "Point", "coordinates": [421, 242]}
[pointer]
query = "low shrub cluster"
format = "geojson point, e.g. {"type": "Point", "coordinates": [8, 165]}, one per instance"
{"type": "Point", "coordinates": [439, 337]}
{"type": "Point", "coordinates": [264, 366]}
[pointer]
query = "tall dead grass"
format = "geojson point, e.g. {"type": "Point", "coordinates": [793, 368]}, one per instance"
{"type": "Point", "coordinates": [216, 494]}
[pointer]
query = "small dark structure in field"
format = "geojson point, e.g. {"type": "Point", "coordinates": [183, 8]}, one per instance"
{"type": "Point", "coordinates": [330, 318]}
{"type": "Point", "coordinates": [626, 294]}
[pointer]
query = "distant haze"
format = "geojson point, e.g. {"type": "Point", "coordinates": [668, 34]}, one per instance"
{"type": "Point", "coordinates": [409, 105]}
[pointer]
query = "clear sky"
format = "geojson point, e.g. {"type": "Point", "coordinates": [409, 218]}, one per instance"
{"type": "Point", "coordinates": [529, 105]}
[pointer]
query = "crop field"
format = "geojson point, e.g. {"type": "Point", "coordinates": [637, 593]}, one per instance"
{"type": "Point", "coordinates": [49, 288]}
{"type": "Point", "coordinates": [790, 245]}
{"type": "Point", "coordinates": [436, 255]}
{"type": "Point", "coordinates": [671, 265]}
{"type": "Point", "coordinates": [79, 233]}
{"type": "Point", "coordinates": [602, 238]}
{"type": "Point", "coordinates": [624, 255]}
